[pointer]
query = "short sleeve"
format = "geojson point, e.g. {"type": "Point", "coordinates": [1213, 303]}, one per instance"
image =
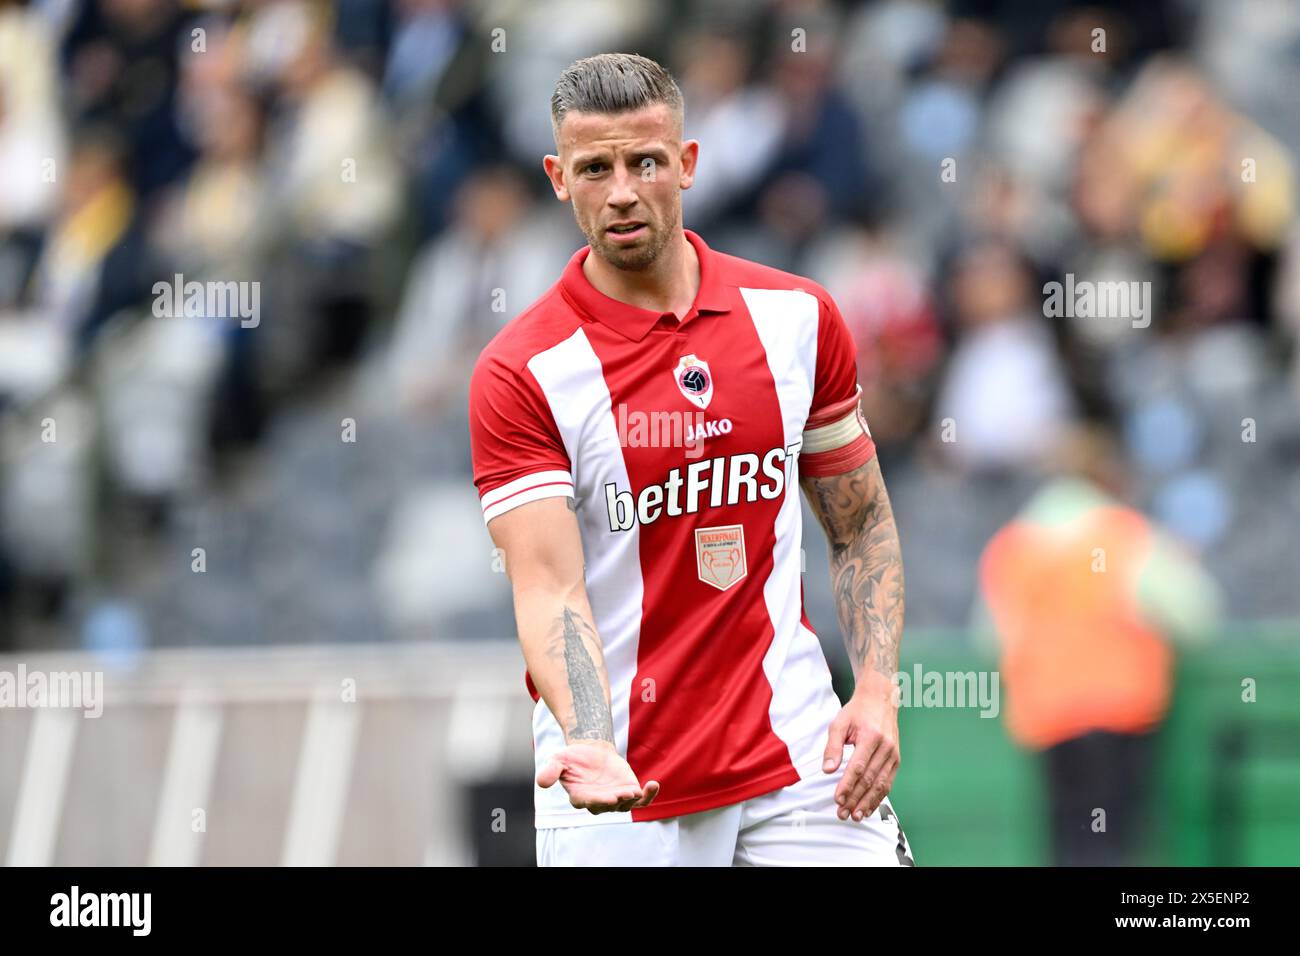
{"type": "Point", "coordinates": [836, 438]}
{"type": "Point", "coordinates": [517, 450]}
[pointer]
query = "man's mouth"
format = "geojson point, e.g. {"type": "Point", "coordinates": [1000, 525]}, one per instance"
{"type": "Point", "coordinates": [626, 229]}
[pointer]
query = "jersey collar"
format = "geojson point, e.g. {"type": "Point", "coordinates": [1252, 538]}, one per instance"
{"type": "Point", "coordinates": [632, 321]}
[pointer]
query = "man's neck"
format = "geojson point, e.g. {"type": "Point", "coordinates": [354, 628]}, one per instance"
{"type": "Point", "coordinates": [669, 284]}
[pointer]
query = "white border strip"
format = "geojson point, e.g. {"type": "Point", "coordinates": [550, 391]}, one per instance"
{"type": "Point", "coordinates": [527, 481]}
{"type": "Point", "coordinates": [320, 791]}
{"type": "Point", "coordinates": [44, 782]}
{"type": "Point", "coordinates": [548, 490]}
{"type": "Point", "coordinates": [187, 784]}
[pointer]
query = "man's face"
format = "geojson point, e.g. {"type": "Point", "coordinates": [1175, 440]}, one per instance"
{"type": "Point", "coordinates": [624, 173]}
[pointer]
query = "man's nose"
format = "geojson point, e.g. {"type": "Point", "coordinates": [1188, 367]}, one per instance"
{"type": "Point", "coordinates": [623, 191]}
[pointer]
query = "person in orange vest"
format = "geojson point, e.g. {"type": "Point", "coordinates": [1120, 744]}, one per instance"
{"type": "Point", "coordinates": [1083, 595]}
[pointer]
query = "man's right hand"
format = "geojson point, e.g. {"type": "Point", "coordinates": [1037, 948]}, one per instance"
{"type": "Point", "coordinates": [597, 778]}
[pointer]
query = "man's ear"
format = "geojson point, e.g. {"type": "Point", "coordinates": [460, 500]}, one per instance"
{"type": "Point", "coordinates": [555, 173]}
{"type": "Point", "coordinates": [690, 156]}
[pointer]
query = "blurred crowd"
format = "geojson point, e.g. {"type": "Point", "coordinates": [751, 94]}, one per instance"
{"type": "Point", "coordinates": [373, 170]}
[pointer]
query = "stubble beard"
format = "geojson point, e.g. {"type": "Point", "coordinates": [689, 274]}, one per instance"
{"type": "Point", "coordinates": [635, 258]}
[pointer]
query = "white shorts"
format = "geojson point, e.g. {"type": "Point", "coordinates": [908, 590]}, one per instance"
{"type": "Point", "coordinates": [794, 826]}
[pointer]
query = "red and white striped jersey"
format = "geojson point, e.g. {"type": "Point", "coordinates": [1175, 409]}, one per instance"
{"type": "Point", "coordinates": [682, 445]}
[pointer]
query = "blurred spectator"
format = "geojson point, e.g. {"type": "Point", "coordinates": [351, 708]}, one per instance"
{"type": "Point", "coordinates": [428, 33]}
{"type": "Point", "coordinates": [31, 143]}
{"type": "Point", "coordinates": [887, 305]}
{"type": "Point", "coordinates": [93, 262]}
{"type": "Point", "coordinates": [331, 164]}
{"type": "Point", "coordinates": [738, 124]}
{"type": "Point", "coordinates": [333, 183]}
{"type": "Point", "coordinates": [940, 115]}
{"type": "Point", "coordinates": [819, 171]}
{"type": "Point", "coordinates": [1084, 595]}
{"type": "Point", "coordinates": [1004, 396]}
{"type": "Point", "coordinates": [212, 222]}
{"type": "Point", "coordinates": [122, 71]}
{"type": "Point", "coordinates": [495, 259]}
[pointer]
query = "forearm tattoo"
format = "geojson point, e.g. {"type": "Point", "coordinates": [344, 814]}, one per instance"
{"type": "Point", "coordinates": [591, 718]}
{"type": "Point", "coordinates": [866, 564]}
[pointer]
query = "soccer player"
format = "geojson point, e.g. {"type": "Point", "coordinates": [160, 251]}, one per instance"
{"type": "Point", "coordinates": [637, 433]}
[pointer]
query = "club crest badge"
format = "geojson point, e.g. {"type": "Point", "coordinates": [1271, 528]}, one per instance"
{"type": "Point", "coordinates": [720, 555]}
{"type": "Point", "coordinates": [695, 380]}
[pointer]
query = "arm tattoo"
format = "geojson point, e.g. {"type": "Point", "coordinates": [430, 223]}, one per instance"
{"type": "Point", "coordinates": [866, 563]}
{"type": "Point", "coordinates": [591, 714]}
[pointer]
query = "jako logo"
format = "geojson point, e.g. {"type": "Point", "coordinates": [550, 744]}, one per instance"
{"type": "Point", "coordinates": [102, 909]}
{"type": "Point", "coordinates": [705, 430]}
{"type": "Point", "coordinates": [663, 429]}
